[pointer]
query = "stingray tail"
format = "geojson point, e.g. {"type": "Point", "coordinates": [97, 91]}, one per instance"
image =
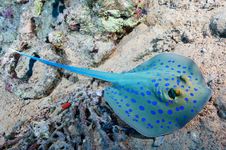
{"type": "Point", "coordinates": [106, 76]}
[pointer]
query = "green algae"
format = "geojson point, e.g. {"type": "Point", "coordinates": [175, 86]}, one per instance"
{"type": "Point", "coordinates": [38, 4]}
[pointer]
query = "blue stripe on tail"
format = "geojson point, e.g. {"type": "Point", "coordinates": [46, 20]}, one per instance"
{"type": "Point", "coordinates": [106, 76]}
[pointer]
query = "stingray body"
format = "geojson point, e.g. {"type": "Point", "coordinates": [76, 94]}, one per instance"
{"type": "Point", "coordinates": [155, 98]}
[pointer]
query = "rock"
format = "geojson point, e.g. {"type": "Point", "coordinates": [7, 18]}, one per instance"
{"type": "Point", "coordinates": [31, 81]}
{"type": "Point", "coordinates": [78, 18]}
{"type": "Point", "coordinates": [22, 1]}
{"type": "Point", "coordinates": [41, 129]}
{"type": "Point", "coordinates": [186, 37]}
{"type": "Point", "coordinates": [28, 27]}
{"type": "Point", "coordinates": [103, 50]}
{"type": "Point", "coordinates": [165, 42]}
{"type": "Point", "coordinates": [57, 38]}
{"type": "Point", "coordinates": [57, 135]}
{"type": "Point", "coordinates": [218, 24]}
{"type": "Point", "coordinates": [203, 50]}
{"type": "Point", "coordinates": [221, 104]}
{"type": "Point", "coordinates": [99, 93]}
{"type": "Point", "coordinates": [194, 136]}
{"type": "Point", "coordinates": [2, 140]}
{"type": "Point", "coordinates": [60, 145]}
{"type": "Point", "coordinates": [158, 141]}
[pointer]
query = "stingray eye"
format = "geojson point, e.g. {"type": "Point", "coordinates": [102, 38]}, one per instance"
{"type": "Point", "coordinates": [174, 92]}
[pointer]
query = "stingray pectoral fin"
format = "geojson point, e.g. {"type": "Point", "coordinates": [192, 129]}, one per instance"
{"type": "Point", "coordinates": [106, 76]}
{"type": "Point", "coordinates": [174, 63]}
{"type": "Point", "coordinates": [142, 113]}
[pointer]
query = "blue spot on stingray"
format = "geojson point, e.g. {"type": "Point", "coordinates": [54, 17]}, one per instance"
{"type": "Point", "coordinates": [177, 109]}
{"type": "Point", "coordinates": [194, 101]}
{"type": "Point", "coordinates": [159, 93]}
{"type": "Point", "coordinates": [126, 97]}
{"type": "Point", "coordinates": [157, 121]}
{"type": "Point", "coordinates": [172, 68]}
{"type": "Point", "coordinates": [178, 71]}
{"type": "Point", "coordinates": [159, 79]}
{"type": "Point", "coordinates": [170, 112]}
{"type": "Point", "coordinates": [150, 125]}
{"type": "Point", "coordinates": [141, 108]}
{"type": "Point", "coordinates": [161, 63]}
{"type": "Point", "coordinates": [167, 84]}
{"type": "Point", "coordinates": [161, 126]}
{"type": "Point", "coordinates": [149, 101]}
{"type": "Point", "coordinates": [154, 103]}
{"type": "Point", "coordinates": [143, 119]}
{"type": "Point", "coordinates": [186, 99]}
{"type": "Point", "coordinates": [166, 79]}
{"type": "Point", "coordinates": [135, 120]}
{"type": "Point", "coordinates": [153, 80]}
{"type": "Point", "coordinates": [172, 79]}
{"type": "Point", "coordinates": [127, 105]}
{"type": "Point", "coordinates": [178, 65]}
{"type": "Point", "coordinates": [181, 107]}
{"type": "Point", "coordinates": [191, 94]}
{"type": "Point", "coordinates": [195, 89]}
{"type": "Point", "coordinates": [153, 112]}
{"type": "Point", "coordinates": [163, 120]}
{"type": "Point", "coordinates": [167, 66]}
{"type": "Point", "coordinates": [142, 94]}
{"type": "Point", "coordinates": [167, 104]}
{"type": "Point", "coordinates": [133, 100]}
{"type": "Point", "coordinates": [137, 116]}
{"type": "Point", "coordinates": [119, 106]}
{"type": "Point", "coordinates": [156, 85]}
{"type": "Point", "coordinates": [169, 122]}
{"type": "Point", "coordinates": [135, 92]}
{"type": "Point", "coordinates": [130, 110]}
{"type": "Point", "coordinates": [141, 88]}
{"type": "Point", "coordinates": [160, 111]}
{"type": "Point", "coordinates": [148, 92]}
{"type": "Point", "coordinates": [192, 110]}
{"type": "Point", "coordinates": [184, 67]}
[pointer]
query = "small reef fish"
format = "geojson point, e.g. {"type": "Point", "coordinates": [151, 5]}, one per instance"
{"type": "Point", "coordinates": [155, 98]}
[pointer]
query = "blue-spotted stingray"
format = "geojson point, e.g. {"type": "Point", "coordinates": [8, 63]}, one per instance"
{"type": "Point", "coordinates": [155, 98]}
